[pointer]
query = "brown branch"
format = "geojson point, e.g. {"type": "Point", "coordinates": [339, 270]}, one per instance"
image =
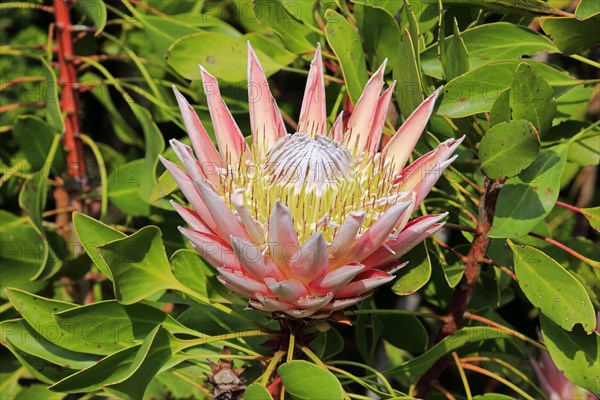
{"type": "Point", "coordinates": [465, 289]}
{"type": "Point", "coordinates": [69, 99]}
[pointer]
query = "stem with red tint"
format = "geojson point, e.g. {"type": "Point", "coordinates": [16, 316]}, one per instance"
{"type": "Point", "coordinates": [69, 99]}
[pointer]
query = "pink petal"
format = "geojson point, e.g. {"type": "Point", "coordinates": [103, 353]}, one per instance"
{"type": "Point", "coordinates": [336, 279]}
{"type": "Point", "coordinates": [364, 282]}
{"type": "Point", "coordinates": [186, 184]}
{"type": "Point", "coordinates": [347, 233]}
{"type": "Point", "coordinates": [313, 302]}
{"type": "Point", "coordinates": [299, 313]}
{"type": "Point", "coordinates": [212, 248]}
{"type": "Point", "coordinates": [192, 218]}
{"type": "Point", "coordinates": [203, 146]}
{"type": "Point", "coordinates": [313, 114]}
{"type": "Point", "coordinates": [377, 234]}
{"type": "Point", "coordinates": [311, 261]}
{"type": "Point", "coordinates": [379, 119]}
{"type": "Point", "coordinates": [400, 147]}
{"type": "Point", "coordinates": [254, 261]}
{"type": "Point", "coordinates": [255, 231]}
{"type": "Point", "coordinates": [242, 283]}
{"type": "Point", "coordinates": [265, 119]}
{"type": "Point", "coordinates": [194, 167]}
{"type": "Point", "coordinates": [271, 304]}
{"type": "Point", "coordinates": [336, 305]}
{"type": "Point", "coordinates": [421, 175]}
{"type": "Point", "coordinates": [287, 290]}
{"type": "Point", "coordinates": [283, 240]}
{"type": "Point", "coordinates": [337, 129]}
{"type": "Point", "coordinates": [226, 221]}
{"type": "Point", "coordinates": [361, 120]}
{"type": "Point", "coordinates": [232, 144]}
{"type": "Point", "coordinates": [414, 233]}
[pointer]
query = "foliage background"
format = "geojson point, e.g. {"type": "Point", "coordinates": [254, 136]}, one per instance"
{"type": "Point", "coordinates": [521, 82]}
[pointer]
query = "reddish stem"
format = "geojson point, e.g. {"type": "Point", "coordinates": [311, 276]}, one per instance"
{"type": "Point", "coordinates": [69, 99]}
{"type": "Point", "coordinates": [570, 207]}
{"type": "Point", "coordinates": [466, 287]}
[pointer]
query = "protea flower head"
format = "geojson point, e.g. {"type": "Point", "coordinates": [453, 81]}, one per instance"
{"type": "Point", "coordinates": [307, 223]}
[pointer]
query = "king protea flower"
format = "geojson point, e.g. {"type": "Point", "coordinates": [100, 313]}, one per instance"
{"type": "Point", "coordinates": [307, 223]}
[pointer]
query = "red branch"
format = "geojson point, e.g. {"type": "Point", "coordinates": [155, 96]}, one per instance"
{"type": "Point", "coordinates": [465, 289]}
{"type": "Point", "coordinates": [69, 99]}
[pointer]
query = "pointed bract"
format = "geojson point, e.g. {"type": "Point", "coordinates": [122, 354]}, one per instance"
{"type": "Point", "coordinates": [313, 114]}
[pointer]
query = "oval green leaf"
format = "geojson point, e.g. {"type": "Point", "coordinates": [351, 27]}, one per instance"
{"type": "Point", "coordinates": [549, 287]}
{"type": "Point", "coordinates": [527, 198]}
{"type": "Point", "coordinates": [476, 91]}
{"type": "Point", "coordinates": [304, 380]}
{"type": "Point", "coordinates": [531, 98]}
{"type": "Point", "coordinates": [257, 392]}
{"type": "Point", "coordinates": [221, 55]}
{"type": "Point", "coordinates": [508, 148]}
{"type": "Point", "coordinates": [574, 353]}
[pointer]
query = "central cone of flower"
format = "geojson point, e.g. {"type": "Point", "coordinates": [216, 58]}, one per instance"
{"type": "Point", "coordinates": [309, 223]}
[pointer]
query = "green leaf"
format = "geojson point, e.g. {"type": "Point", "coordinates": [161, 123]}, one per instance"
{"type": "Point", "coordinates": [124, 186]}
{"type": "Point", "coordinates": [304, 380]}
{"type": "Point", "coordinates": [503, 6]}
{"type": "Point", "coordinates": [22, 336]}
{"type": "Point", "coordinates": [419, 365]}
{"type": "Point", "coordinates": [573, 35]}
{"type": "Point", "coordinates": [406, 72]}
{"type": "Point", "coordinates": [527, 198]}
{"type": "Point", "coordinates": [165, 185]}
{"type": "Point", "coordinates": [416, 274]}
{"type": "Point", "coordinates": [107, 370]}
{"type": "Point", "coordinates": [96, 11]}
{"type": "Point", "coordinates": [53, 112]}
{"type": "Point", "coordinates": [23, 255]}
{"type": "Point", "coordinates": [587, 8]}
{"type": "Point", "coordinates": [476, 91]}
{"type": "Point", "coordinates": [531, 98]}
{"type": "Point", "coordinates": [490, 42]}
{"type": "Point", "coordinates": [574, 353]}
{"type": "Point", "coordinates": [112, 326]}
{"type": "Point", "coordinates": [508, 148]}
{"type": "Point", "coordinates": [379, 40]}
{"type": "Point", "coordinates": [257, 392]}
{"type": "Point", "coordinates": [593, 216]}
{"type": "Point", "coordinates": [93, 233]}
{"type": "Point", "coordinates": [189, 268]}
{"type": "Point", "coordinates": [455, 59]}
{"type": "Point", "coordinates": [157, 349]}
{"type": "Point", "coordinates": [500, 111]}
{"type": "Point", "coordinates": [221, 55]}
{"type": "Point", "coordinates": [139, 265]}
{"type": "Point", "coordinates": [39, 314]}
{"type": "Point", "coordinates": [40, 369]}
{"type": "Point", "coordinates": [345, 43]}
{"type": "Point", "coordinates": [296, 36]}
{"type": "Point", "coordinates": [271, 46]}
{"type": "Point", "coordinates": [38, 392]}
{"type": "Point", "coordinates": [32, 199]}
{"type": "Point", "coordinates": [35, 137]}
{"type": "Point", "coordinates": [154, 146]}
{"type": "Point", "coordinates": [549, 287]}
